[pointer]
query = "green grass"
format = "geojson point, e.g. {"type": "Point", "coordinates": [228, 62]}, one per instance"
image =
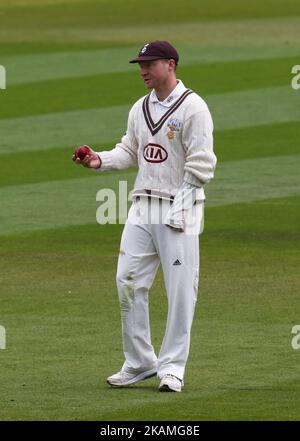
{"type": "Point", "coordinates": [95, 91]}
{"type": "Point", "coordinates": [54, 164]}
{"type": "Point", "coordinates": [59, 311]}
{"type": "Point", "coordinates": [102, 13]}
{"type": "Point", "coordinates": [41, 47]}
{"type": "Point", "coordinates": [59, 303]}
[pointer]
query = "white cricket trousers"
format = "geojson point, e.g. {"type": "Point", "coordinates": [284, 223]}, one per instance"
{"type": "Point", "coordinates": [146, 243]}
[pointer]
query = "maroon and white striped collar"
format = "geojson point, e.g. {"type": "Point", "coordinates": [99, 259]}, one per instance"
{"type": "Point", "coordinates": [154, 127]}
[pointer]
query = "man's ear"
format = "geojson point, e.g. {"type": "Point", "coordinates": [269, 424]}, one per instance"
{"type": "Point", "coordinates": [172, 64]}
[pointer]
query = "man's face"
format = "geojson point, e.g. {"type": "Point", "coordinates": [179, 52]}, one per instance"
{"type": "Point", "coordinates": [156, 72]}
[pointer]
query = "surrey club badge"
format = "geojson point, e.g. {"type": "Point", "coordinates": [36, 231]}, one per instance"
{"type": "Point", "coordinates": [174, 125]}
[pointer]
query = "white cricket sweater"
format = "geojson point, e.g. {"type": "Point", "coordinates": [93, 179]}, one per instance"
{"type": "Point", "coordinates": [169, 147]}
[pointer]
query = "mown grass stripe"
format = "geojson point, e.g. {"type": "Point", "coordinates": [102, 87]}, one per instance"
{"type": "Point", "coordinates": [283, 29]}
{"type": "Point", "coordinates": [117, 89]}
{"type": "Point", "coordinates": [24, 69]}
{"type": "Point", "coordinates": [101, 126]}
{"type": "Point", "coordinates": [61, 203]}
{"type": "Point", "coordinates": [104, 13]}
{"type": "Point", "coordinates": [14, 49]}
{"type": "Point", "coordinates": [229, 145]}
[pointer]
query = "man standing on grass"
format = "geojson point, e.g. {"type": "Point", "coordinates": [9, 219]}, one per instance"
{"type": "Point", "coordinates": [169, 137]}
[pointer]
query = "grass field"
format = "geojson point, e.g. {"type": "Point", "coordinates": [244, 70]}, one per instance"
{"type": "Point", "coordinates": [69, 82]}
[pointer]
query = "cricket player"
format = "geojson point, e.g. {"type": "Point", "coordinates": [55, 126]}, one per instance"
{"type": "Point", "coordinates": [169, 138]}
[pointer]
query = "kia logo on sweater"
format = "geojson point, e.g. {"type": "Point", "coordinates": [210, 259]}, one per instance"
{"type": "Point", "coordinates": [155, 153]}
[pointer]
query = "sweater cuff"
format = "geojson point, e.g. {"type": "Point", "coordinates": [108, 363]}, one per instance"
{"type": "Point", "coordinates": [106, 162]}
{"type": "Point", "coordinates": [98, 168]}
{"type": "Point", "coordinates": [191, 179]}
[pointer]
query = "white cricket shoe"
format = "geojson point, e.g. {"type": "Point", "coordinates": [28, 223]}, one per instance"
{"type": "Point", "coordinates": [123, 378]}
{"type": "Point", "coordinates": [170, 383]}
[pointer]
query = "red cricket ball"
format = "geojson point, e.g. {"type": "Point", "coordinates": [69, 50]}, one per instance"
{"type": "Point", "coordinates": [81, 152]}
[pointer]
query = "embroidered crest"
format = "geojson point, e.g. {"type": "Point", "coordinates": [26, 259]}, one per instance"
{"type": "Point", "coordinates": [174, 125]}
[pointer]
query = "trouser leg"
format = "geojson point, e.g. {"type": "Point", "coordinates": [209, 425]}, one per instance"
{"type": "Point", "coordinates": [179, 255]}
{"type": "Point", "coordinates": [137, 266]}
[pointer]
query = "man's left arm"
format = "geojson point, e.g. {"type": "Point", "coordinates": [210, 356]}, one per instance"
{"type": "Point", "coordinates": [197, 139]}
{"type": "Point", "coordinates": [199, 167]}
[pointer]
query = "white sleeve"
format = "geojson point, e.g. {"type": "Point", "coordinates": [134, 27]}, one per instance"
{"type": "Point", "coordinates": [124, 154]}
{"type": "Point", "coordinates": [197, 139]}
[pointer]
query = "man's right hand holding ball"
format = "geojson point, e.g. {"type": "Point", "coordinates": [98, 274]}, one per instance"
{"type": "Point", "coordinates": [85, 156]}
